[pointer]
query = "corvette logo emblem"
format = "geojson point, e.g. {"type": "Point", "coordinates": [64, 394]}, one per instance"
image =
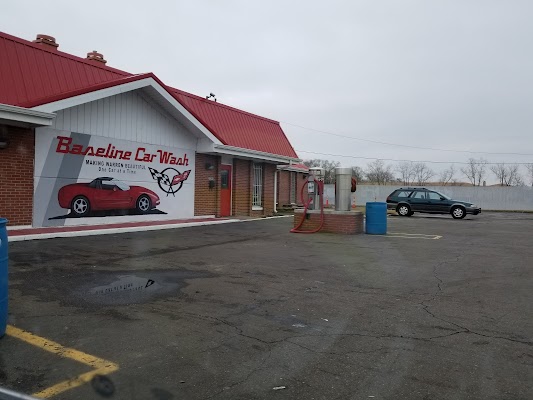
{"type": "Point", "coordinates": [170, 180]}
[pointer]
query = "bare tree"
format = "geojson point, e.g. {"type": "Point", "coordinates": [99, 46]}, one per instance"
{"type": "Point", "coordinates": [481, 170]}
{"type": "Point", "coordinates": [378, 172]}
{"type": "Point", "coordinates": [513, 175]}
{"type": "Point", "coordinates": [358, 173]}
{"type": "Point", "coordinates": [500, 172]}
{"type": "Point", "coordinates": [327, 165]}
{"type": "Point", "coordinates": [448, 175]}
{"type": "Point", "coordinates": [507, 175]}
{"type": "Point", "coordinates": [422, 173]}
{"type": "Point", "coordinates": [475, 170]}
{"type": "Point", "coordinates": [529, 168]}
{"type": "Point", "coordinates": [406, 171]}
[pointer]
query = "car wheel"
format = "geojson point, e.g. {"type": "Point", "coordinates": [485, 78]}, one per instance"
{"type": "Point", "coordinates": [458, 212]}
{"type": "Point", "coordinates": [144, 204]}
{"type": "Point", "coordinates": [80, 206]}
{"type": "Point", "coordinates": [404, 210]}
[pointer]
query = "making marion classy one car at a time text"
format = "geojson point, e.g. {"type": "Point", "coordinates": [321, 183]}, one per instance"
{"type": "Point", "coordinates": [106, 193]}
{"type": "Point", "coordinates": [407, 201]}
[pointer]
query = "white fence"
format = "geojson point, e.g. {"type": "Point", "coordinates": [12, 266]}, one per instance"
{"type": "Point", "coordinates": [488, 198]}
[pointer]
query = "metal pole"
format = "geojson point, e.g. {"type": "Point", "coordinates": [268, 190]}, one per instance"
{"type": "Point", "coordinates": [275, 190]}
{"type": "Point", "coordinates": [343, 185]}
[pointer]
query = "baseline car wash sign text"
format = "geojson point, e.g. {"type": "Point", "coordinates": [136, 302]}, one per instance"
{"type": "Point", "coordinates": [65, 145]}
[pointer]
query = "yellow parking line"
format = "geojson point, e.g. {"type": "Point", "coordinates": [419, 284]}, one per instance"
{"type": "Point", "coordinates": [101, 366]}
{"type": "Point", "coordinates": [413, 236]}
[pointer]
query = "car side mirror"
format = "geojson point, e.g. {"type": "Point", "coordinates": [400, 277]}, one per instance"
{"type": "Point", "coordinates": [442, 199]}
{"type": "Point", "coordinates": [114, 189]}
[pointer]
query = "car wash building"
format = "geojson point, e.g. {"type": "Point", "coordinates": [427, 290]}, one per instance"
{"type": "Point", "coordinates": [83, 143]}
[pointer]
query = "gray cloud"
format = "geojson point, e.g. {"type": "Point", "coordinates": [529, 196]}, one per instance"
{"type": "Point", "coordinates": [454, 74]}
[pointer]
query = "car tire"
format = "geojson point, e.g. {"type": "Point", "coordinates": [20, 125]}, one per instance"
{"type": "Point", "coordinates": [143, 204]}
{"type": "Point", "coordinates": [458, 212]}
{"type": "Point", "coordinates": [404, 210]}
{"type": "Point", "coordinates": [80, 206]}
{"type": "Point", "coordinates": [410, 214]}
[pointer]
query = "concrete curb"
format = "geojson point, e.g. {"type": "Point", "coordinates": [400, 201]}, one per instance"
{"type": "Point", "coordinates": [113, 231]}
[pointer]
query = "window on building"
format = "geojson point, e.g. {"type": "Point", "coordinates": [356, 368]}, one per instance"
{"type": "Point", "coordinates": [224, 179]}
{"type": "Point", "coordinates": [257, 200]}
{"type": "Point", "coordinates": [293, 188]}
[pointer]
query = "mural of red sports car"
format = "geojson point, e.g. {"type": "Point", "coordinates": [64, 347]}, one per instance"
{"type": "Point", "coordinates": [106, 193]}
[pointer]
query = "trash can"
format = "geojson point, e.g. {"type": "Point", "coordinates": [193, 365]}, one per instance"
{"type": "Point", "coordinates": [376, 218]}
{"type": "Point", "coordinates": [3, 276]}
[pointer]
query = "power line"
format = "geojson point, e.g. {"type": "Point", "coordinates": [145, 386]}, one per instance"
{"type": "Point", "coordinates": [414, 161]}
{"type": "Point", "coordinates": [403, 145]}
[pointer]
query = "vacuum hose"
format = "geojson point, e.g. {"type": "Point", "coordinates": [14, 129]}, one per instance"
{"type": "Point", "coordinates": [320, 188]}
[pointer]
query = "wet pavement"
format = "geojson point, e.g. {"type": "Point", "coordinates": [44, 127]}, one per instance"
{"type": "Point", "coordinates": [249, 311]}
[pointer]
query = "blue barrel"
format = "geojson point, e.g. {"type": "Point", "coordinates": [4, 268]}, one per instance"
{"type": "Point", "coordinates": [376, 218]}
{"type": "Point", "coordinates": [3, 276]}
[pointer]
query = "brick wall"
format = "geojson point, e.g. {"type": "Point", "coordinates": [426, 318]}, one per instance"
{"type": "Point", "coordinates": [284, 188]}
{"type": "Point", "coordinates": [300, 181]}
{"type": "Point", "coordinates": [347, 223]}
{"type": "Point", "coordinates": [242, 187]}
{"type": "Point", "coordinates": [206, 200]}
{"type": "Point", "coordinates": [16, 176]}
{"type": "Point", "coordinates": [268, 188]}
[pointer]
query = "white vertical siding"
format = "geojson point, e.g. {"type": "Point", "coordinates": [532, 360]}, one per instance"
{"type": "Point", "coordinates": [127, 116]}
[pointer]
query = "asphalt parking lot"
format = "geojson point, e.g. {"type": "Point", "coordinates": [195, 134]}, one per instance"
{"type": "Point", "coordinates": [438, 309]}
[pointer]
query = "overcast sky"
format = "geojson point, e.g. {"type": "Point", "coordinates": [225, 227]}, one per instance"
{"type": "Point", "coordinates": [448, 74]}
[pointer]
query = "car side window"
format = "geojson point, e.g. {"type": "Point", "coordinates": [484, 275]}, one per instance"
{"type": "Point", "coordinates": [107, 185]}
{"type": "Point", "coordinates": [434, 196]}
{"type": "Point", "coordinates": [403, 193]}
{"type": "Point", "coordinates": [419, 195]}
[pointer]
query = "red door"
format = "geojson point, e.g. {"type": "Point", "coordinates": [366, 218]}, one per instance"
{"type": "Point", "coordinates": [225, 190]}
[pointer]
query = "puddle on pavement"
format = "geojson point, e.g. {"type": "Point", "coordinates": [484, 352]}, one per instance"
{"type": "Point", "coordinates": [119, 289]}
{"type": "Point", "coordinates": [82, 286]}
{"type": "Point", "coordinates": [127, 289]}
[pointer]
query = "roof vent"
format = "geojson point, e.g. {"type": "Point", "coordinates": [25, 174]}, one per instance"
{"type": "Point", "coordinates": [46, 40]}
{"type": "Point", "coordinates": [95, 56]}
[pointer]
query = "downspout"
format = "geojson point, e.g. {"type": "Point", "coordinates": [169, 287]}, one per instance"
{"type": "Point", "coordinates": [275, 190]}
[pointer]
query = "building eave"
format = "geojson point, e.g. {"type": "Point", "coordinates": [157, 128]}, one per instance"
{"type": "Point", "coordinates": [20, 116]}
{"type": "Point", "coordinates": [252, 154]}
{"type": "Point", "coordinates": [292, 169]}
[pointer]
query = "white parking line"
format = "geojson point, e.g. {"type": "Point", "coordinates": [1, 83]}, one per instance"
{"type": "Point", "coordinates": [413, 236]}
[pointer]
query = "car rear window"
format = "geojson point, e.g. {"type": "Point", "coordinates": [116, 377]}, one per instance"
{"type": "Point", "coordinates": [403, 193]}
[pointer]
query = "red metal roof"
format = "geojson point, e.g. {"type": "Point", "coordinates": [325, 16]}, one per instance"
{"type": "Point", "coordinates": [235, 127]}
{"type": "Point", "coordinates": [31, 75]}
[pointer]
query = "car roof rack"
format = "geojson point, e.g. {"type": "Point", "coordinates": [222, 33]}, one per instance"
{"type": "Point", "coordinates": [413, 188]}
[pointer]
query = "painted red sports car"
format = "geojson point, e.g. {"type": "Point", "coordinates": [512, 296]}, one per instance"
{"type": "Point", "coordinates": [106, 193]}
